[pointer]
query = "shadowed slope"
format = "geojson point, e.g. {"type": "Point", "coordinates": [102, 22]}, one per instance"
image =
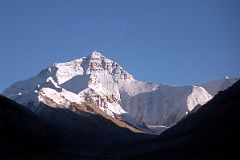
{"type": "Point", "coordinates": [21, 131]}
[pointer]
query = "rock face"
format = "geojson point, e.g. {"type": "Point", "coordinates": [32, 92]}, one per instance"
{"type": "Point", "coordinates": [102, 82]}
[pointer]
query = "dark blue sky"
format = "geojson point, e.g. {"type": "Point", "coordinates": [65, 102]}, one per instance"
{"type": "Point", "coordinates": [176, 42]}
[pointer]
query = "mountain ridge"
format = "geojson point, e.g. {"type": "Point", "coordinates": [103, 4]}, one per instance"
{"type": "Point", "coordinates": [104, 83]}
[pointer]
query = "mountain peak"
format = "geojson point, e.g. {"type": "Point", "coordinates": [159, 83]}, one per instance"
{"type": "Point", "coordinates": [103, 83]}
{"type": "Point", "coordinates": [95, 55]}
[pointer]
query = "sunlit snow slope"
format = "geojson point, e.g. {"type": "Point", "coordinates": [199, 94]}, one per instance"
{"type": "Point", "coordinates": [101, 82]}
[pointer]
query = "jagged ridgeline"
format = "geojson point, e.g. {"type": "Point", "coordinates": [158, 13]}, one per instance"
{"type": "Point", "coordinates": [103, 84]}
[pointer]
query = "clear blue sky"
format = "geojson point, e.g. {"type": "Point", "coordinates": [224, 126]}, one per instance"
{"type": "Point", "coordinates": [175, 42]}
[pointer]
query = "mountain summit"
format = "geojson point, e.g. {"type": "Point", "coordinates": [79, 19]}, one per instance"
{"type": "Point", "coordinates": [100, 82]}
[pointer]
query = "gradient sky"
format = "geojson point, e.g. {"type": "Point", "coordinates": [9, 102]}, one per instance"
{"type": "Point", "coordinates": [175, 42]}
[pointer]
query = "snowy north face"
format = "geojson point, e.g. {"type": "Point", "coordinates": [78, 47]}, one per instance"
{"type": "Point", "coordinates": [101, 82]}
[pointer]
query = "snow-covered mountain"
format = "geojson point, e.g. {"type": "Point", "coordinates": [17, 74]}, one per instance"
{"type": "Point", "coordinates": [213, 87]}
{"type": "Point", "coordinates": [98, 81]}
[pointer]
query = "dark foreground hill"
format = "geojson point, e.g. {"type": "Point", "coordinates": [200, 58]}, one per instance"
{"type": "Point", "coordinates": [56, 133]}
{"type": "Point", "coordinates": [22, 132]}
{"type": "Point", "coordinates": [210, 133]}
